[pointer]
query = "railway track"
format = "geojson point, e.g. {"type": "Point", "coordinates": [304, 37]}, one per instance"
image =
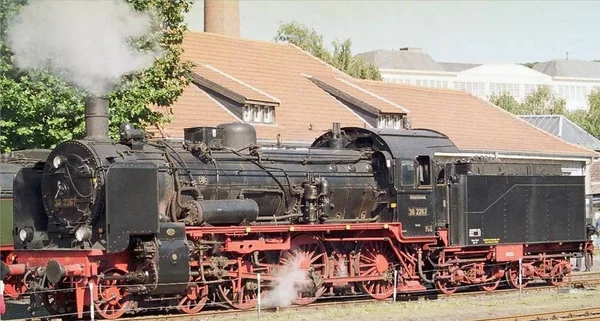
{"type": "Point", "coordinates": [580, 280]}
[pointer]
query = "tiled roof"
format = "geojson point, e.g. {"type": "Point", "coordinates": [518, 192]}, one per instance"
{"type": "Point", "coordinates": [228, 82]}
{"type": "Point", "coordinates": [306, 111]}
{"type": "Point", "coordinates": [347, 86]}
{"type": "Point", "coordinates": [570, 68]}
{"type": "Point", "coordinates": [471, 123]}
{"type": "Point", "coordinates": [562, 127]}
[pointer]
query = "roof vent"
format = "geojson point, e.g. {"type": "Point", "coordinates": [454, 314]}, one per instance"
{"type": "Point", "coordinates": [412, 49]}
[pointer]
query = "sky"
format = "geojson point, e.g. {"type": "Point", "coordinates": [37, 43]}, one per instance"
{"type": "Point", "coordinates": [450, 31]}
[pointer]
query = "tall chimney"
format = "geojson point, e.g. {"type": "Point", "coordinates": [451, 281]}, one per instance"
{"type": "Point", "coordinates": [96, 118]}
{"type": "Point", "coordinates": [222, 17]}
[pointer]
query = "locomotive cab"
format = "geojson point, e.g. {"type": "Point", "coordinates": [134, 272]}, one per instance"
{"type": "Point", "coordinates": [408, 156]}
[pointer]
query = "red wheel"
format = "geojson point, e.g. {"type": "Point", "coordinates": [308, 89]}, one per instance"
{"type": "Point", "coordinates": [113, 299]}
{"type": "Point", "coordinates": [559, 271]}
{"type": "Point", "coordinates": [446, 287]}
{"type": "Point", "coordinates": [59, 301]}
{"type": "Point", "coordinates": [193, 299]}
{"type": "Point", "coordinates": [375, 259]}
{"type": "Point", "coordinates": [307, 254]}
{"type": "Point", "coordinates": [512, 277]}
{"type": "Point", "coordinates": [240, 293]}
{"type": "Point", "coordinates": [492, 284]}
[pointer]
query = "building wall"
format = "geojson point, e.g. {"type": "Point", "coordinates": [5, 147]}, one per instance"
{"type": "Point", "coordinates": [496, 80]}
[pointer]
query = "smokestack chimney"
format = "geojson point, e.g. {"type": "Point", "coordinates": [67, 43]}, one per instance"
{"type": "Point", "coordinates": [96, 118]}
{"type": "Point", "coordinates": [222, 17]}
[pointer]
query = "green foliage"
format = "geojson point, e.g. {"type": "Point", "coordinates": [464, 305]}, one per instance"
{"type": "Point", "coordinates": [507, 102]}
{"type": "Point", "coordinates": [540, 102]}
{"type": "Point", "coordinates": [589, 119]}
{"type": "Point", "coordinates": [544, 102]}
{"type": "Point", "coordinates": [341, 58]}
{"type": "Point", "coordinates": [38, 110]}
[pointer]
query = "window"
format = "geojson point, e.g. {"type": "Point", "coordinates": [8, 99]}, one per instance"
{"type": "Point", "coordinates": [530, 89]}
{"type": "Point", "coordinates": [259, 114]}
{"type": "Point", "coordinates": [474, 88]}
{"type": "Point", "coordinates": [432, 83]}
{"type": "Point", "coordinates": [511, 89]}
{"type": "Point", "coordinates": [268, 115]}
{"type": "Point", "coordinates": [390, 121]}
{"type": "Point", "coordinates": [424, 170]}
{"type": "Point", "coordinates": [408, 172]}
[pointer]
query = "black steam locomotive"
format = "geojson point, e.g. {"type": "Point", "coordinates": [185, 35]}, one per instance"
{"type": "Point", "coordinates": [153, 223]}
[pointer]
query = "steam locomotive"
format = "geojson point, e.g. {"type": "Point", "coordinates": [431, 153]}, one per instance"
{"type": "Point", "coordinates": [153, 224]}
{"type": "Point", "coordinates": [10, 164]}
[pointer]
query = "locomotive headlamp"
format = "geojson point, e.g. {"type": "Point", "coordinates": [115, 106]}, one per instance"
{"type": "Point", "coordinates": [26, 234]}
{"type": "Point", "coordinates": [83, 233]}
{"type": "Point", "coordinates": [58, 161]}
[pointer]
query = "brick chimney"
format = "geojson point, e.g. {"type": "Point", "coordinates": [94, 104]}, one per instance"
{"type": "Point", "coordinates": [222, 17]}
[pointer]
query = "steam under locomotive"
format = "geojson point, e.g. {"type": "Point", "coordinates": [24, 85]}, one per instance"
{"type": "Point", "coordinates": [162, 225]}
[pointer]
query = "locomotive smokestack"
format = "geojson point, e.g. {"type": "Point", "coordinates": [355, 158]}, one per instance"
{"type": "Point", "coordinates": [96, 118]}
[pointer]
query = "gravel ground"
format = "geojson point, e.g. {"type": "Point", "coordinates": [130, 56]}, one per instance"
{"type": "Point", "coordinates": [458, 308]}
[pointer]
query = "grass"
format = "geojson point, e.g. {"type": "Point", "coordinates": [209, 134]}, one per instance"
{"type": "Point", "coordinates": [458, 308]}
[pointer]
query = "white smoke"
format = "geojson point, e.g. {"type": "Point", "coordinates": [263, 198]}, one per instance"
{"type": "Point", "coordinates": [291, 279]}
{"type": "Point", "coordinates": [84, 42]}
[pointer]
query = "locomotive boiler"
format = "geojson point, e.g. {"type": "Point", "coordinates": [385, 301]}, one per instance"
{"type": "Point", "coordinates": [156, 224]}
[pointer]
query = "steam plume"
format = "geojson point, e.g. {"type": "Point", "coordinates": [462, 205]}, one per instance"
{"type": "Point", "coordinates": [291, 279]}
{"type": "Point", "coordinates": [84, 42]}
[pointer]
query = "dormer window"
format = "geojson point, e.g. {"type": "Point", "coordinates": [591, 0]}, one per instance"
{"type": "Point", "coordinates": [259, 114]}
{"type": "Point", "coordinates": [241, 99]}
{"type": "Point", "coordinates": [390, 121]}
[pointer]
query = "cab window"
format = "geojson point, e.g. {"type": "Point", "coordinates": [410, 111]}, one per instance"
{"type": "Point", "coordinates": [408, 172]}
{"type": "Point", "coordinates": [424, 170]}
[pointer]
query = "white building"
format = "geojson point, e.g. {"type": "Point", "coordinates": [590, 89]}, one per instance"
{"type": "Point", "coordinates": [572, 80]}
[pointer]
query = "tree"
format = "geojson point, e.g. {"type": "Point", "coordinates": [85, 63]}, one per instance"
{"type": "Point", "coordinates": [38, 109]}
{"type": "Point", "coordinates": [341, 58]}
{"type": "Point", "coordinates": [540, 102]}
{"type": "Point", "coordinates": [507, 102]}
{"type": "Point", "coordinates": [543, 102]}
{"type": "Point", "coordinates": [589, 119]}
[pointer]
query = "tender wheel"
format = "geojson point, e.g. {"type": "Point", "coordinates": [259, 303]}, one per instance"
{"type": "Point", "coordinates": [492, 284]}
{"type": "Point", "coordinates": [307, 254]}
{"type": "Point", "coordinates": [59, 302]}
{"type": "Point", "coordinates": [193, 299]}
{"type": "Point", "coordinates": [375, 259]}
{"type": "Point", "coordinates": [240, 293]}
{"type": "Point", "coordinates": [559, 271]}
{"type": "Point", "coordinates": [512, 277]}
{"type": "Point", "coordinates": [113, 299]}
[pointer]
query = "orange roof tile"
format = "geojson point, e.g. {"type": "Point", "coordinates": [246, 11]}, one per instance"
{"type": "Point", "coordinates": [345, 85]}
{"type": "Point", "coordinates": [471, 123]}
{"type": "Point", "coordinates": [246, 91]}
{"type": "Point", "coordinates": [306, 111]}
